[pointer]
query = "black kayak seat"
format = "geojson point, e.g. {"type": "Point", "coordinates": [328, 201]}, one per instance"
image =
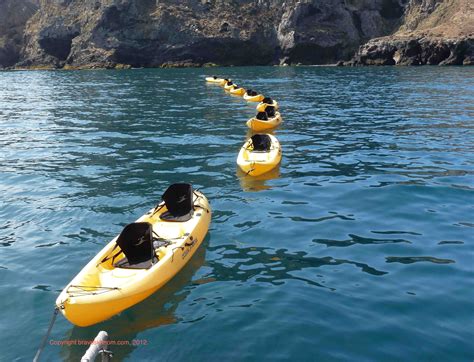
{"type": "Point", "coordinates": [261, 142]}
{"type": "Point", "coordinates": [178, 199]}
{"type": "Point", "coordinates": [136, 242]}
{"type": "Point", "coordinates": [267, 100]}
{"type": "Point", "coordinates": [262, 116]}
{"type": "Point", "coordinates": [270, 111]}
{"type": "Point", "coordinates": [229, 83]}
{"type": "Point", "coordinates": [214, 77]}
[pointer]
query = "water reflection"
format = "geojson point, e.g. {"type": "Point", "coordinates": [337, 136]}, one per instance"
{"type": "Point", "coordinates": [271, 266]}
{"type": "Point", "coordinates": [356, 239]}
{"type": "Point", "coordinates": [257, 183]}
{"type": "Point", "coordinates": [416, 259]}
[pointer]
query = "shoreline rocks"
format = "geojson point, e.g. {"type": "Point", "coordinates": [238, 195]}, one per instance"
{"type": "Point", "coordinates": [418, 51]}
{"type": "Point", "coordinates": [121, 34]}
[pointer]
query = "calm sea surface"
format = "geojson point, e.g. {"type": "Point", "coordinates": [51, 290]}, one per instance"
{"type": "Point", "coordinates": [360, 247]}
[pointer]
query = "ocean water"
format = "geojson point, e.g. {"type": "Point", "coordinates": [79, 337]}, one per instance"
{"type": "Point", "coordinates": [359, 247]}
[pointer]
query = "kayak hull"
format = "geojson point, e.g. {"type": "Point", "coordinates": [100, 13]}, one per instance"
{"type": "Point", "coordinates": [238, 91]}
{"type": "Point", "coordinates": [101, 290]}
{"type": "Point", "coordinates": [257, 98]}
{"type": "Point", "coordinates": [262, 106]}
{"type": "Point", "coordinates": [224, 82]}
{"type": "Point", "coordinates": [258, 163]}
{"type": "Point", "coordinates": [214, 80]}
{"type": "Point", "coordinates": [258, 125]}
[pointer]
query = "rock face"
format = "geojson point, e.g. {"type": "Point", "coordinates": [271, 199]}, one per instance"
{"type": "Point", "coordinates": [415, 51]}
{"type": "Point", "coordinates": [151, 33]}
{"type": "Point", "coordinates": [13, 17]}
{"type": "Point", "coordinates": [434, 32]}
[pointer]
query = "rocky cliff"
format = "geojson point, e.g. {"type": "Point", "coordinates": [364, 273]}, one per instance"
{"type": "Point", "coordinates": [151, 33]}
{"type": "Point", "coordinates": [432, 32]}
{"type": "Point", "coordinates": [13, 17]}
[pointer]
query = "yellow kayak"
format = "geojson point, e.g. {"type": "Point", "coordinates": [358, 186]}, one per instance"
{"type": "Point", "coordinates": [253, 96]}
{"type": "Point", "coordinates": [238, 91]}
{"type": "Point", "coordinates": [214, 79]}
{"type": "Point", "coordinates": [265, 103]}
{"type": "Point", "coordinates": [257, 124]}
{"type": "Point", "coordinates": [229, 86]}
{"type": "Point", "coordinates": [259, 154]}
{"type": "Point", "coordinates": [139, 261]}
{"type": "Point", "coordinates": [224, 82]}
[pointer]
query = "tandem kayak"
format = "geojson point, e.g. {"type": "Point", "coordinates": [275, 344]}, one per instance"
{"type": "Point", "coordinates": [259, 125]}
{"type": "Point", "coordinates": [139, 261]}
{"type": "Point", "coordinates": [229, 86]}
{"type": "Point", "coordinates": [214, 79]}
{"type": "Point", "coordinates": [266, 102]}
{"type": "Point", "coordinates": [237, 91]}
{"type": "Point", "coordinates": [259, 154]}
{"type": "Point", "coordinates": [225, 81]}
{"type": "Point", "coordinates": [253, 96]}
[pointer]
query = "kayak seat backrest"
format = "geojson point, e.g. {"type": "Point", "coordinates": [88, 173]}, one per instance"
{"type": "Point", "coordinates": [249, 92]}
{"type": "Point", "coordinates": [261, 142]}
{"type": "Point", "coordinates": [253, 93]}
{"type": "Point", "coordinates": [136, 242]}
{"type": "Point", "coordinates": [229, 83]}
{"type": "Point", "coordinates": [270, 111]}
{"type": "Point", "coordinates": [262, 116]}
{"type": "Point", "coordinates": [267, 100]}
{"type": "Point", "coordinates": [178, 199]}
{"type": "Point", "coordinates": [214, 77]}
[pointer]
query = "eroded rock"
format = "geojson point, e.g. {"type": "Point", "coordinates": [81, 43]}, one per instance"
{"type": "Point", "coordinates": [151, 33]}
{"type": "Point", "coordinates": [423, 51]}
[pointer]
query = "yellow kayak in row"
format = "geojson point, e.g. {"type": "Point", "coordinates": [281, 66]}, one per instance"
{"type": "Point", "coordinates": [232, 88]}
{"type": "Point", "coordinates": [262, 123]}
{"type": "Point", "coordinates": [267, 102]}
{"type": "Point", "coordinates": [214, 79]}
{"type": "Point", "coordinates": [139, 261]}
{"type": "Point", "coordinates": [238, 91]}
{"type": "Point", "coordinates": [259, 154]}
{"type": "Point", "coordinates": [229, 86]}
{"type": "Point", "coordinates": [252, 96]}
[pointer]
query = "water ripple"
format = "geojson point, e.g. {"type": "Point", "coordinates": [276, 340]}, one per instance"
{"type": "Point", "coordinates": [416, 259]}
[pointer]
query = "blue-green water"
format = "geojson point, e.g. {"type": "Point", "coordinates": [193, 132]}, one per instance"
{"type": "Point", "coordinates": [360, 249]}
